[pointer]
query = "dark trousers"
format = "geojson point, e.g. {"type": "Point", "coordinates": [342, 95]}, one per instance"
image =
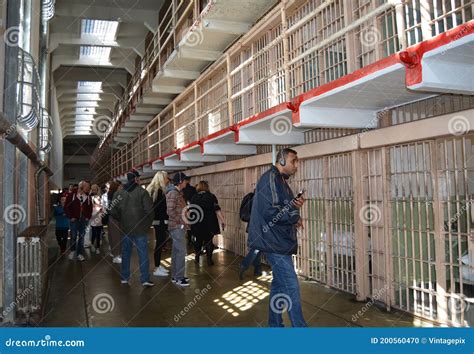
{"type": "Point", "coordinates": [96, 235]}
{"type": "Point", "coordinates": [161, 236]}
{"type": "Point", "coordinates": [61, 237]}
{"type": "Point", "coordinates": [204, 240]}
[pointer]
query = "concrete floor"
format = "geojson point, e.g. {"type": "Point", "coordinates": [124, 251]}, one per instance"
{"type": "Point", "coordinates": [89, 294]}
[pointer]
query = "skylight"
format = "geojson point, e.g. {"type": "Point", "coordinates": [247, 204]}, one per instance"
{"type": "Point", "coordinates": [96, 52]}
{"type": "Point", "coordinates": [105, 30]}
{"type": "Point", "coordinates": [96, 85]}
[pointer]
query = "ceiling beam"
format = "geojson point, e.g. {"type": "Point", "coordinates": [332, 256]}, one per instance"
{"type": "Point", "coordinates": [147, 17]}
{"type": "Point", "coordinates": [137, 44]}
{"type": "Point", "coordinates": [67, 60]}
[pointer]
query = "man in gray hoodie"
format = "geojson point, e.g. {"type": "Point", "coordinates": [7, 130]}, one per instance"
{"type": "Point", "coordinates": [176, 210]}
{"type": "Point", "coordinates": [133, 207]}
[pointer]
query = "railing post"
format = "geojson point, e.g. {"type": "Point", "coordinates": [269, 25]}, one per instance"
{"type": "Point", "coordinates": [401, 28]}
{"type": "Point", "coordinates": [196, 122]}
{"type": "Point", "coordinates": [425, 10]}
{"type": "Point", "coordinates": [286, 49]}
{"type": "Point", "coordinates": [229, 90]}
{"type": "Point", "coordinates": [350, 36]}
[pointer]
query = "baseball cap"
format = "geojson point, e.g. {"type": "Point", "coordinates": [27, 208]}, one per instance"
{"type": "Point", "coordinates": [178, 178]}
{"type": "Point", "coordinates": [132, 175]}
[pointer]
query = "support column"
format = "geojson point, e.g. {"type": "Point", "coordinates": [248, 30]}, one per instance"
{"type": "Point", "coordinates": [361, 256]}
{"type": "Point", "coordinates": [9, 164]}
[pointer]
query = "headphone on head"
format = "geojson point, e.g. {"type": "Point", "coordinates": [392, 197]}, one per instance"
{"type": "Point", "coordinates": [282, 160]}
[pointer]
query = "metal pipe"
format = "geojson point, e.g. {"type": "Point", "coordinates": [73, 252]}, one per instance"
{"type": "Point", "coordinates": [13, 20]}
{"type": "Point", "coordinates": [39, 218]}
{"type": "Point", "coordinates": [11, 134]}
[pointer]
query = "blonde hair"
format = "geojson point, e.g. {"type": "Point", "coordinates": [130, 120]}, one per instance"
{"type": "Point", "coordinates": [158, 182]}
{"type": "Point", "coordinates": [95, 189]}
{"type": "Point", "coordinates": [202, 186]}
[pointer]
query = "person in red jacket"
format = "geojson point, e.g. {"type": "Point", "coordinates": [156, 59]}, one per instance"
{"type": "Point", "coordinates": [79, 210]}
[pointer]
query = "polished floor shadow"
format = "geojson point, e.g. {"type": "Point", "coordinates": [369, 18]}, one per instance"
{"type": "Point", "coordinates": [89, 294]}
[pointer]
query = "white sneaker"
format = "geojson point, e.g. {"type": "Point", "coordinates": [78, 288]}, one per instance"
{"type": "Point", "coordinates": [159, 273]}
{"type": "Point", "coordinates": [81, 258]}
{"type": "Point", "coordinates": [163, 269]}
{"type": "Point", "coordinates": [71, 256]}
{"type": "Point", "coordinates": [117, 259]}
{"type": "Point", "coordinates": [97, 251]}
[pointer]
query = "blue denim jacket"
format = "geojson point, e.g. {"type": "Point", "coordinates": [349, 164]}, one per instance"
{"type": "Point", "coordinates": [273, 219]}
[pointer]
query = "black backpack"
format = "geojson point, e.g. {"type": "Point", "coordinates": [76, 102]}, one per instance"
{"type": "Point", "coordinates": [246, 207]}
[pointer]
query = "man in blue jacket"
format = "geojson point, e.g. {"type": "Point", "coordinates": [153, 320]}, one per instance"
{"type": "Point", "coordinates": [274, 220]}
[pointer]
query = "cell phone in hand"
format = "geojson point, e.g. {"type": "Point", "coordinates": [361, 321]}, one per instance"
{"type": "Point", "coordinates": [300, 193]}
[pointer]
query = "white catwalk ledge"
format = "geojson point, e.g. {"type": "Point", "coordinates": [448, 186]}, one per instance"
{"type": "Point", "coordinates": [448, 68]}
{"type": "Point", "coordinates": [442, 64]}
{"type": "Point", "coordinates": [273, 126]}
{"type": "Point", "coordinates": [223, 143]}
{"type": "Point", "coordinates": [193, 153]}
{"type": "Point", "coordinates": [173, 160]}
{"type": "Point", "coordinates": [158, 165]}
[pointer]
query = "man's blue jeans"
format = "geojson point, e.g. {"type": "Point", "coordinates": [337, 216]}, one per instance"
{"type": "Point", "coordinates": [285, 292]}
{"type": "Point", "coordinates": [252, 257]}
{"type": "Point", "coordinates": [141, 243]}
{"type": "Point", "coordinates": [78, 231]}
